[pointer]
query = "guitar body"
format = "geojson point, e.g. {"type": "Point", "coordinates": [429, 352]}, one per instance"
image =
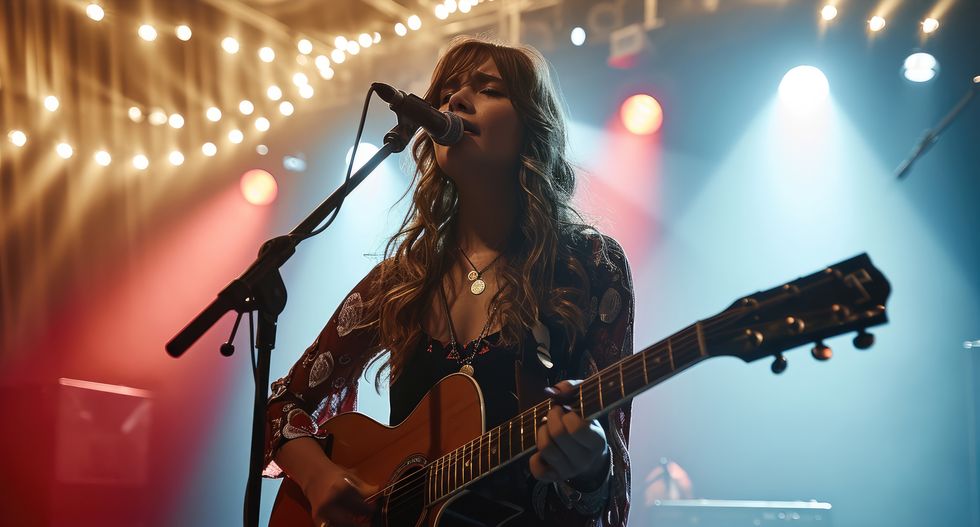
{"type": "Point", "coordinates": [447, 417]}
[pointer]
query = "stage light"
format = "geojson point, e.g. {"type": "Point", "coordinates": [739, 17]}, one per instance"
{"type": "Point", "coordinates": [327, 73]}
{"type": "Point", "coordinates": [236, 136]}
{"type": "Point", "coordinates": [365, 40]}
{"type": "Point", "coordinates": [294, 163]}
{"type": "Point", "coordinates": [304, 46]}
{"type": "Point", "coordinates": [230, 45]}
{"type": "Point", "coordinates": [258, 187]}
{"type": "Point", "coordinates": [641, 114]}
{"type": "Point", "coordinates": [450, 6]}
{"type": "Point", "coordinates": [414, 23]}
{"type": "Point", "coordinates": [140, 162]}
{"type": "Point", "coordinates": [103, 158]}
{"type": "Point", "coordinates": [306, 91]}
{"type": "Point", "coordinates": [51, 103]}
{"type": "Point", "coordinates": [17, 137]}
{"type": "Point", "coordinates": [176, 120]}
{"type": "Point", "coordinates": [209, 149]}
{"type": "Point", "coordinates": [377, 37]}
{"type": "Point", "coordinates": [353, 47]}
{"type": "Point", "coordinates": [274, 92]}
{"type": "Point", "coordinates": [300, 79]}
{"type": "Point", "coordinates": [64, 150]}
{"type": "Point", "coordinates": [465, 6]}
{"type": "Point", "coordinates": [364, 153]}
{"type": "Point", "coordinates": [337, 56]}
{"type": "Point", "coordinates": [135, 114]}
{"type": "Point", "coordinates": [147, 32]}
{"type": "Point", "coordinates": [158, 117]}
{"type": "Point", "coordinates": [261, 150]}
{"type": "Point", "coordinates": [920, 67]}
{"type": "Point", "coordinates": [183, 32]}
{"type": "Point", "coordinates": [213, 114]}
{"type": "Point", "coordinates": [246, 107]}
{"type": "Point", "coordinates": [441, 12]}
{"type": "Point", "coordinates": [828, 12]}
{"type": "Point", "coordinates": [876, 23]}
{"type": "Point", "coordinates": [400, 29]}
{"type": "Point", "coordinates": [929, 25]}
{"type": "Point", "coordinates": [578, 36]}
{"type": "Point", "coordinates": [804, 88]}
{"type": "Point", "coordinates": [95, 12]}
{"type": "Point", "coordinates": [286, 108]}
{"type": "Point", "coordinates": [262, 124]}
{"type": "Point", "coordinates": [176, 158]}
{"type": "Point", "coordinates": [321, 61]}
{"type": "Point", "coordinates": [267, 54]}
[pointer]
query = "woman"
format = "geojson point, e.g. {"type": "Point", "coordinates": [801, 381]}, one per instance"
{"type": "Point", "coordinates": [490, 262]}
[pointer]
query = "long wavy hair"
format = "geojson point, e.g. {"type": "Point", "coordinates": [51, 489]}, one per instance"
{"type": "Point", "coordinates": [416, 257]}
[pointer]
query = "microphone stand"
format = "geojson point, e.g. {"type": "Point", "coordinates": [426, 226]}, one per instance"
{"type": "Point", "coordinates": [931, 136]}
{"type": "Point", "coordinates": [261, 288]}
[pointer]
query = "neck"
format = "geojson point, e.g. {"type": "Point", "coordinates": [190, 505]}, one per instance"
{"type": "Point", "coordinates": [487, 217]}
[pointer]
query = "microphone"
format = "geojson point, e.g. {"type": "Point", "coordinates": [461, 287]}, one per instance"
{"type": "Point", "coordinates": [445, 128]}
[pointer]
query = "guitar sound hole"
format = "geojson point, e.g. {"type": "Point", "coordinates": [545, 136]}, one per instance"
{"type": "Point", "coordinates": [405, 505]}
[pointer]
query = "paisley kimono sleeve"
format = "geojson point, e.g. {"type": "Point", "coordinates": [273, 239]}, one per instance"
{"type": "Point", "coordinates": [323, 382]}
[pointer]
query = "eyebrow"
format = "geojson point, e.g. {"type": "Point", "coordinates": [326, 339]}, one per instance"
{"type": "Point", "coordinates": [480, 76]}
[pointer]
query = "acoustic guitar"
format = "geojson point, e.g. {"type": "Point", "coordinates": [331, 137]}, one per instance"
{"type": "Point", "coordinates": [430, 460]}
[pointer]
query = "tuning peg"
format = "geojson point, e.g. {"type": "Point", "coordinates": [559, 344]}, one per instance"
{"type": "Point", "coordinates": [863, 340]}
{"type": "Point", "coordinates": [779, 364]}
{"type": "Point", "coordinates": [821, 351]}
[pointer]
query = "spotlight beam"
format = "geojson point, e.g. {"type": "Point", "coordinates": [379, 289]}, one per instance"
{"type": "Point", "coordinates": [931, 136]}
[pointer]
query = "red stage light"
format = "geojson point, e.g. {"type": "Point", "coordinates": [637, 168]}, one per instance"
{"type": "Point", "coordinates": [259, 187]}
{"type": "Point", "coordinates": [642, 114]}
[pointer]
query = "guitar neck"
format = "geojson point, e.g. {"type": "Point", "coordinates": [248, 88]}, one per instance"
{"type": "Point", "coordinates": [595, 396]}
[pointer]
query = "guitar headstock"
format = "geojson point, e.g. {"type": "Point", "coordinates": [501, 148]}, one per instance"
{"type": "Point", "coordinates": [848, 296]}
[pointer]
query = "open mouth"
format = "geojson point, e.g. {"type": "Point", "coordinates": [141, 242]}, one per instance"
{"type": "Point", "coordinates": [469, 127]}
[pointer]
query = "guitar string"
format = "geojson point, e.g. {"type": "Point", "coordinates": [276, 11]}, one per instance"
{"type": "Point", "coordinates": [457, 472]}
{"type": "Point", "coordinates": [633, 368]}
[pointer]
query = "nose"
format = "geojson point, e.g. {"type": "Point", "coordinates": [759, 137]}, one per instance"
{"type": "Point", "coordinates": [460, 101]}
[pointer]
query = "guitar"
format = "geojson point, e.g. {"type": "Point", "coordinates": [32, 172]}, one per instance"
{"type": "Point", "coordinates": [428, 461]}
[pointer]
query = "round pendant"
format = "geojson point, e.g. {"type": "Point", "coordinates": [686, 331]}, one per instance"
{"type": "Point", "coordinates": [477, 286]}
{"type": "Point", "coordinates": [472, 275]}
{"type": "Point", "coordinates": [467, 369]}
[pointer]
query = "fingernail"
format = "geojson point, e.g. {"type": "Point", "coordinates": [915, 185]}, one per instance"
{"type": "Point", "coordinates": [551, 391]}
{"type": "Point", "coordinates": [566, 407]}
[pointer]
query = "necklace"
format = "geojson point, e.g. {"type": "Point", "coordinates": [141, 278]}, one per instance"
{"type": "Point", "coordinates": [466, 363]}
{"type": "Point", "coordinates": [476, 276]}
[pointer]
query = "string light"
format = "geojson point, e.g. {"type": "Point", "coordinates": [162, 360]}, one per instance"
{"type": "Point", "coordinates": [176, 120]}
{"type": "Point", "coordinates": [17, 137]}
{"type": "Point", "coordinates": [377, 37]}
{"type": "Point", "coordinates": [306, 91]}
{"type": "Point", "coordinates": [340, 42]}
{"type": "Point", "coordinates": [157, 117]}
{"type": "Point", "coordinates": [300, 79]}
{"type": "Point", "coordinates": [246, 107]}
{"type": "Point", "coordinates": [286, 108]}
{"type": "Point", "coordinates": [209, 149]}
{"type": "Point", "coordinates": [876, 23]}
{"type": "Point", "coordinates": [64, 150]}
{"type": "Point", "coordinates": [103, 158]}
{"type": "Point", "coordinates": [450, 6]}
{"type": "Point", "coordinates": [929, 25]}
{"type": "Point", "coordinates": [135, 114]}
{"type": "Point", "coordinates": [414, 23]}
{"type": "Point", "coordinates": [321, 62]}
{"type": "Point", "coordinates": [327, 73]}
{"type": "Point", "coordinates": [51, 103]}
{"type": "Point", "coordinates": [828, 12]}
{"type": "Point", "coordinates": [176, 158]}
{"type": "Point", "coordinates": [213, 114]}
{"type": "Point", "coordinates": [274, 92]}
{"type": "Point", "coordinates": [262, 124]}
{"type": "Point", "coordinates": [147, 32]}
{"type": "Point", "coordinates": [95, 12]}
{"type": "Point", "coordinates": [304, 46]}
{"type": "Point", "coordinates": [337, 56]}
{"type": "Point", "coordinates": [236, 136]}
{"type": "Point", "coordinates": [365, 40]}
{"type": "Point", "coordinates": [183, 32]}
{"type": "Point", "coordinates": [400, 29]}
{"type": "Point", "coordinates": [140, 162]}
{"type": "Point", "coordinates": [465, 6]}
{"type": "Point", "coordinates": [230, 45]}
{"type": "Point", "coordinates": [267, 54]}
{"type": "Point", "coordinates": [353, 47]}
{"type": "Point", "coordinates": [441, 12]}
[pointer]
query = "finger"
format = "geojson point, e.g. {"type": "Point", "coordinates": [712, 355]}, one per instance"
{"type": "Point", "coordinates": [541, 470]}
{"type": "Point", "coordinates": [352, 498]}
{"type": "Point", "coordinates": [564, 391]}
{"type": "Point", "coordinates": [553, 453]}
{"type": "Point", "coordinates": [590, 436]}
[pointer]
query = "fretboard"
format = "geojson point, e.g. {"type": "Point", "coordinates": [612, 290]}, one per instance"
{"type": "Point", "coordinates": [594, 397]}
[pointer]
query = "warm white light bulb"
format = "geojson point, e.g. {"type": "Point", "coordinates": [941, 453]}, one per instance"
{"type": "Point", "coordinates": [140, 162]}
{"type": "Point", "coordinates": [135, 114]}
{"type": "Point", "coordinates": [176, 120]}
{"type": "Point", "coordinates": [176, 158]}
{"type": "Point", "coordinates": [286, 108]}
{"type": "Point", "coordinates": [183, 32]}
{"type": "Point", "coordinates": [51, 103]}
{"type": "Point", "coordinates": [17, 137]}
{"type": "Point", "coordinates": [267, 54]}
{"type": "Point", "coordinates": [95, 12]}
{"type": "Point", "coordinates": [209, 149]}
{"type": "Point", "coordinates": [274, 92]}
{"type": "Point", "coordinates": [262, 124]}
{"type": "Point", "coordinates": [213, 114]}
{"type": "Point", "coordinates": [103, 158]}
{"type": "Point", "coordinates": [414, 23]}
{"type": "Point", "coordinates": [246, 107]}
{"type": "Point", "coordinates": [306, 91]}
{"type": "Point", "coordinates": [304, 46]}
{"type": "Point", "coordinates": [230, 45]}
{"type": "Point", "coordinates": [147, 32]}
{"type": "Point", "coordinates": [400, 29]}
{"type": "Point", "coordinates": [236, 136]}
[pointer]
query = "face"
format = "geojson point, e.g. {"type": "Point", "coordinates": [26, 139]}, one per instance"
{"type": "Point", "coordinates": [480, 97]}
